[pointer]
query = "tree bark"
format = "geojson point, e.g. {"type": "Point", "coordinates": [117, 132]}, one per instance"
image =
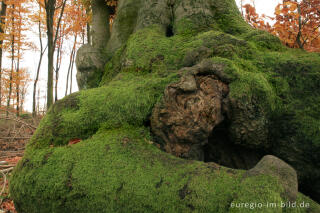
{"type": "Point", "coordinates": [88, 28]}
{"type": "Point", "coordinates": [3, 13]}
{"type": "Point", "coordinates": [18, 65]}
{"type": "Point", "coordinates": [100, 24]}
{"type": "Point", "coordinates": [18, 82]}
{"type": "Point", "coordinates": [71, 62]}
{"type": "Point", "coordinates": [50, 6]}
{"type": "Point", "coordinates": [91, 58]}
{"type": "Point", "coordinates": [57, 69]}
{"type": "Point", "coordinates": [71, 73]}
{"type": "Point", "coordinates": [12, 59]}
{"type": "Point", "coordinates": [42, 51]}
{"type": "Point", "coordinates": [50, 9]}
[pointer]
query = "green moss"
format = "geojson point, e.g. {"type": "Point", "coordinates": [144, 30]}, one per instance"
{"type": "Point", "coordinates": [254, 87]}
{"type": "Point", "coordinates": [115, 169]}
{"type": "Point", "coordinates": [295, 75]}
{"type": "Point", "coordinates": [226, 45]}
{"type": "Point", "coordinates": [119, 171]}
{"type": "Point", "coordinates": [185, 26]}
{"type": "Point", "coordinates": [93, 80]}
{"type": "Point", "coordinates": [229, 68]}
{"type": "Point", "coordinates": [127, 18]}
{"type": "Point", "coordinates": [150, 45]}
{"type": "Point", "coordinates": [123, 26]}
{"type": "Point", "coordinates": [264, 40]}
{"type": "Point", "coordinates": [150, 50]}
{"type": "Point", "coordinates": [193, 25]}
{"type": "Point", "coordinates": [128, 99]}
{"type": "Point", "coordinates": [113, 67]}
{"type": "Point", "coordinates": [228, 18]}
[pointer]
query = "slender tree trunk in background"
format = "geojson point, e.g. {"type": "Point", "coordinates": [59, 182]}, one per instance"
{"type": "Point", "coordinates": [67, 82]}
{"type": "Point", "coordinates": [52, 39]}
{"type": "Point", "coordinates": [18, 83]}
{"type": "Point", "coordinates": [22, 97]}
{"type": "Point", "coordinates": [18, 67]}
{"type": "Point", "coordinates": [42, 51]}
{"type": "Point", "coordinates": [12, 64]}
{"type": "Point", "coordinates": [71, 75]}
{"type": "Point", "coordinates": [58, 63]}
{"type": "Point", "coordinates": [38, 104]}
{"type": "Point", "coordinates": [72, 62]}
{"type": "Point", "coordinates": [88, 34]}
{"type": "Point", "coordinates": [50, 9]}
{"type": "Point", "coordinates": [57, 78]}
{"type": "Point", "coordinates": [45, 102]}
{"type": "Point", "coordinates": [72, 57]}
{"type": "Point", "coordinates": [299, 36]}
{"type": "Point", "coordinates": [88, 28]}
{"type": "Point", "coordinates": [11, 77]}
{"type": "Point", "coordinates": [3, 13]}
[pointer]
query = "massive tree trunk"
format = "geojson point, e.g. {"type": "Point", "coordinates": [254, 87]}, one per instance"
{"type": "Point", "coordinates": [90, 58]}
{"type": "Point", "coordinates": [177, 83]}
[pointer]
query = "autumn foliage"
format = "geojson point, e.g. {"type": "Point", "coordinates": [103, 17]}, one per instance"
{"type": "Point", "coordinates": [6, 204]}
{"type": "Point", "coordinates": [296, 23]}
{"type": "Point", "coordinates": [13, 80]}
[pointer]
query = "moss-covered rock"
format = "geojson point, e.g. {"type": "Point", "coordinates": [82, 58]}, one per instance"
{"type": "Point", "coordinates": [272, 108]}
{"type": "Point", "coordinates": [286, 175]}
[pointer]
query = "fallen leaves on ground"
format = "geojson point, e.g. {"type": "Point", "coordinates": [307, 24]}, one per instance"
{"type": "Point", "coordinates": [6, 204]}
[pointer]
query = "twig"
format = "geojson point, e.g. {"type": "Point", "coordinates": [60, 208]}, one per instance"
{"type": "Point", "coordinates": [8, 138]}
{"type": "Point", "coordinates": [19, 121]}
{"type": "Point", "coordinates": [6, 166]}
{"type": "Point", "coordinates": [16, 133]}
{"type": "Point", "coordinates": [15, 118]}
{"type": "Point", "coordinates": [7, 170]}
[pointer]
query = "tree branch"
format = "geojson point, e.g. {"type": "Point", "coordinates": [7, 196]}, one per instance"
{"type": "Point", "coordinates": [15, 118]}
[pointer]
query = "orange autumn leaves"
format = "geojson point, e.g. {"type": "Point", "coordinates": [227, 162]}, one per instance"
{"type": "Point", "coordinates": [6, 204]}
{"type": "Point", "coordinates": [13, 79]}
{"type": "Point", "coordinates": [112, 3]}
{"type": "Point", "coordinates": [296, 23]}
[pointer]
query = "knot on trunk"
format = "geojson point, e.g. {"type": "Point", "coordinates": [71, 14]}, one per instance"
{"type": "Point", "coordinates": [189, 111]}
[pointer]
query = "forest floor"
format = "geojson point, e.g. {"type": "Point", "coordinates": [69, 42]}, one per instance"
{"type": "Point", "coordinates": [15, 131]}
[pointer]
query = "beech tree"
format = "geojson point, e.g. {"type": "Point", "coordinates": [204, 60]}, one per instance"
{"type": "Point", "coordinates": [297, 23]}
{"type": "Point", "coordinates": [15, 43]}
{"type": "Point", "coordinates": [52, 7]}
{"type": "Point", "coordinates": [3, 14]}
{"type": "Point", "coordinates": [39, 19]}
{"type": "Point", "coordinates": [76, 21]}
{"type": "Point", "coordinates": [180, 105]}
